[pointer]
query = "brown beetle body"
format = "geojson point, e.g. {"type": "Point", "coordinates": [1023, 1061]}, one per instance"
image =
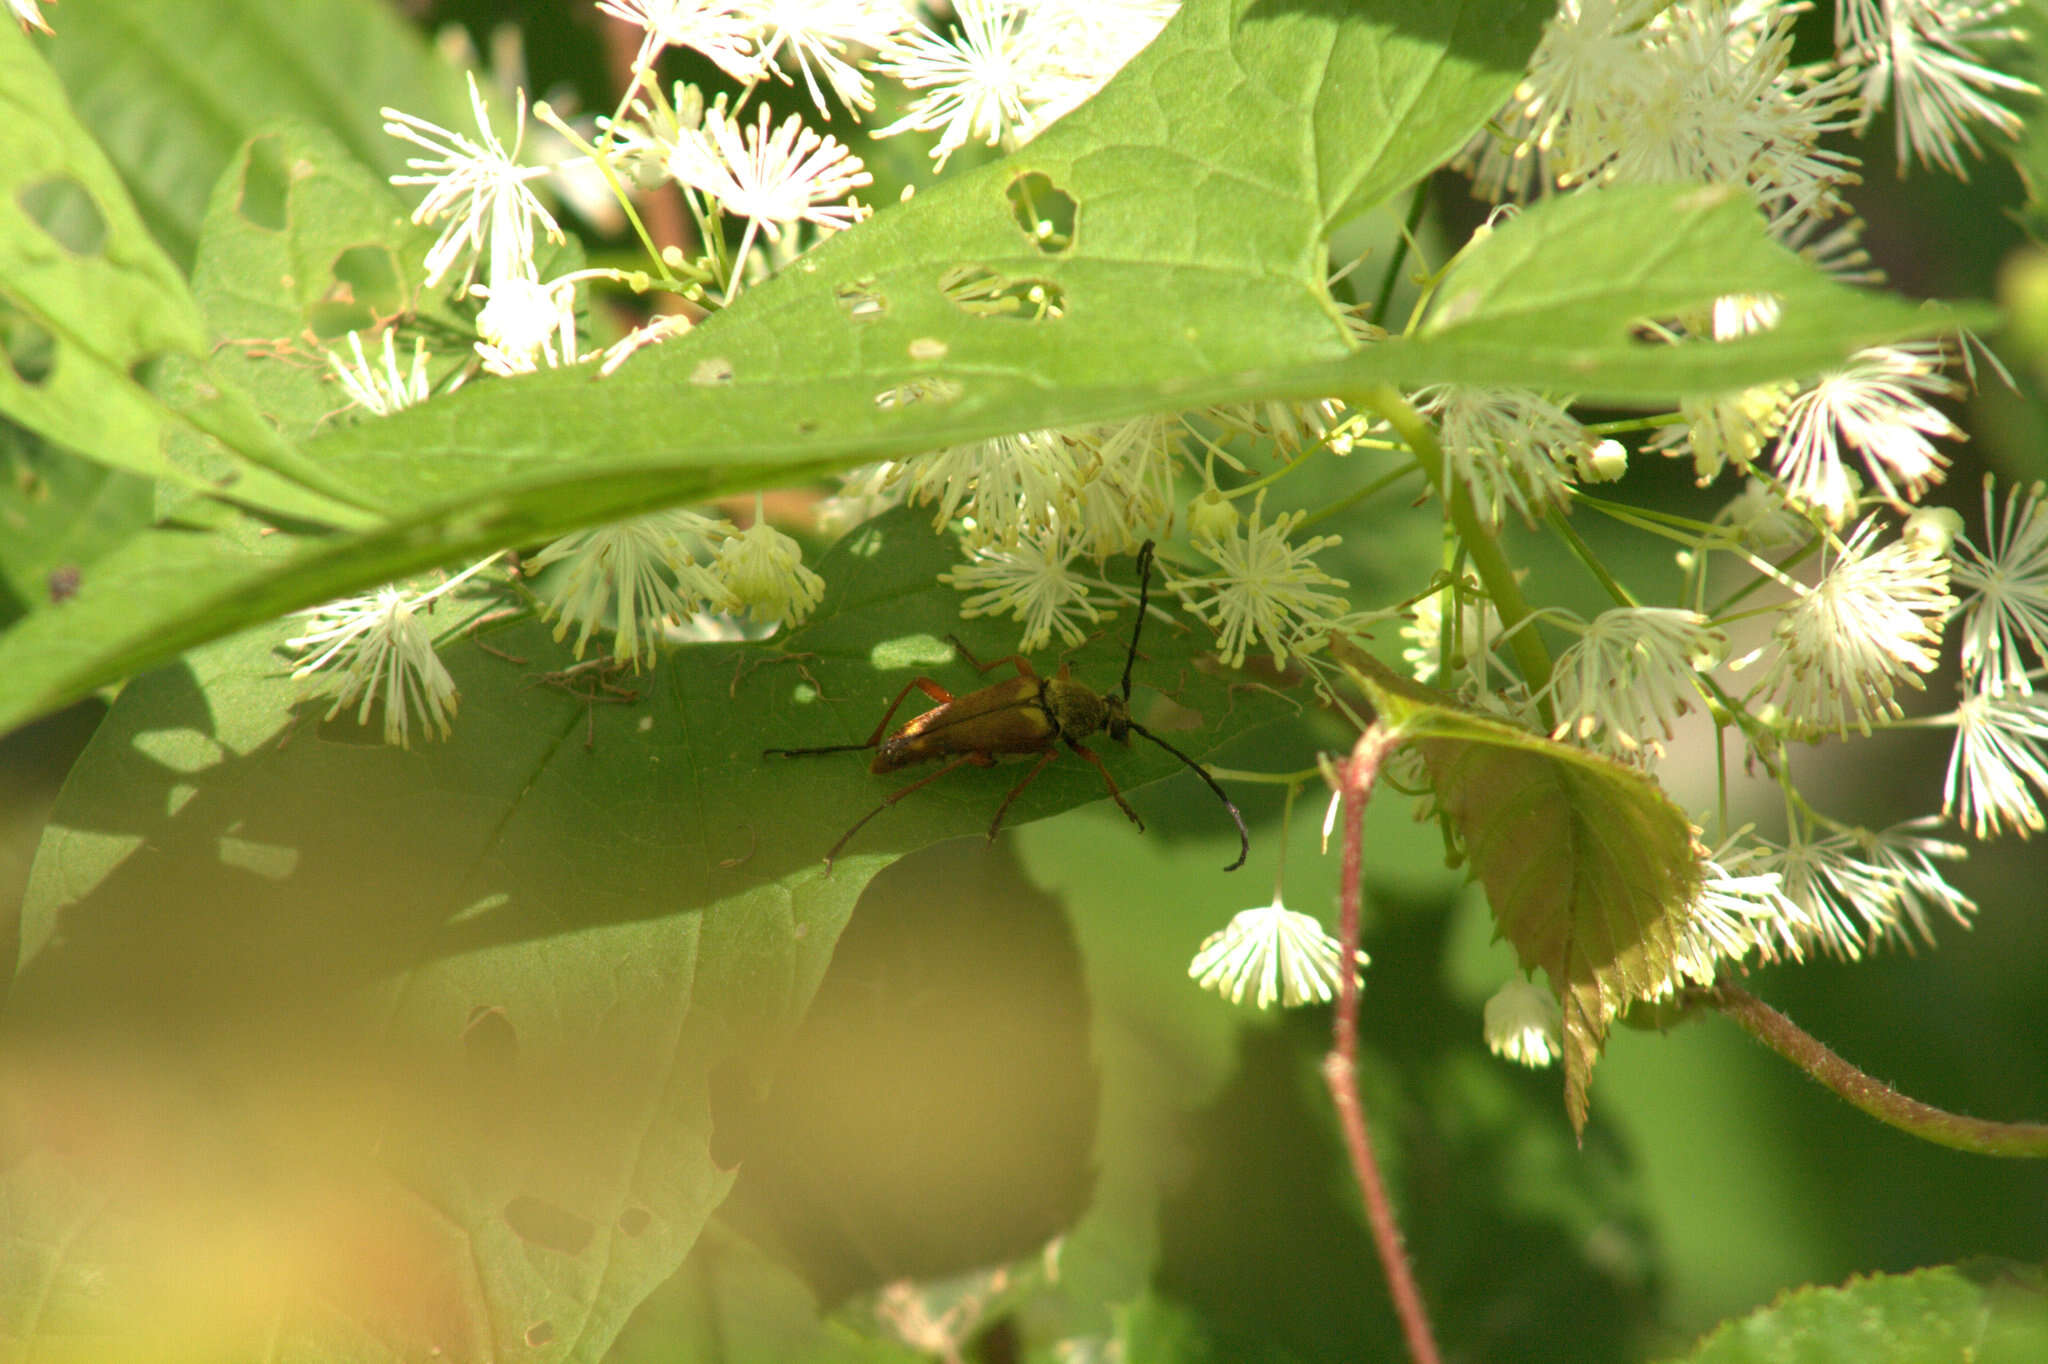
{"type": "Point", "coordinates": [1028, 714]}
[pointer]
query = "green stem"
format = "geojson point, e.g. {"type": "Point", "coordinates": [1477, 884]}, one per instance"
{"type": "Point", "coordinates": [1583, 552]}
{"type": "Point", "coordinates": [1478, 539]}
{"type": "Point", "coordinates": [1979, 1136]}
{"type": "Point", "coordinates": [1416, 205]}
{"type": "Point", "coordinates": [1353, 498]}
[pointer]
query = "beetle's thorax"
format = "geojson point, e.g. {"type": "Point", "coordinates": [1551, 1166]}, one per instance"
{"type": "Point", "coordinates": [1078, 711]}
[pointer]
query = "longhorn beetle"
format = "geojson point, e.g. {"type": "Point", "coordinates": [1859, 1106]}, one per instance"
{"type": "Point", "coordinates": [1026, 714]}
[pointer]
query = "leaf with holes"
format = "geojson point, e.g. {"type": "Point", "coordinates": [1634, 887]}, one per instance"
{"type": "Point", "coordinates": [91, 303]}
{"type": "Point", "coordinates": [1588, 865]}
{"type": "Point", "coordinates": [1163, 247]}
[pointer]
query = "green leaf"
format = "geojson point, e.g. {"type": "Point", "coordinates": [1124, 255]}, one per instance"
{"type": "Point", "coordinates": [94, 304]}
{"type": "Point", "coordinates": [58, 513]}
{"type": "Point", "coordinates": [172, 93]}
{"type": "Point", "coordinates": [1588, 865]}
{"type": "Point", "coordinates": [282, 283]}
{"type": "Point", "coordinates": [1206, 179]}
{"type": "Point", "coordinates": [509, 965]}
{"type": "Point", "coordinates": [1981, 1312]}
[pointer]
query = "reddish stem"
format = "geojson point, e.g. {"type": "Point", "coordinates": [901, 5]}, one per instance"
{"type": "Point", "coordinates": [1340, 1067]}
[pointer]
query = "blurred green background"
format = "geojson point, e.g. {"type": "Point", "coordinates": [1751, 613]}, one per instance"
{"type": "Point", "coordinates": [1007, 1049]}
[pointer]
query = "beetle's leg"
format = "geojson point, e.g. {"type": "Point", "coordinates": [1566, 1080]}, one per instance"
{"type": "Point", "coordinates": [1109, 782]}
{"type": "Point", "coordinates": [1023, 664]}
{"type": "Point", "coordinates": [979, 759]}
{"type": "Point", "coordinates": [995, 825]}
{"type": "Point", "coordinates": [923, 684]}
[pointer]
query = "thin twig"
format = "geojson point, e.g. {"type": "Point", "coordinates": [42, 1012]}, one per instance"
{"type": "Point", "coordinates": [1977, 1135]}
{"type": "Point", "coordinates": [1340, 1067]}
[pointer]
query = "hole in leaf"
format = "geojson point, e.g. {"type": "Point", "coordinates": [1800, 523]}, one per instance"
{"type": "Point", "coordinates": [331, 319]}
{"type": "Point", "coordinates": [266, 188]}
{"type": "Point", "coordinates": [366, 290]}
{"type": "Point", "coordinates": [634, 1221]}
{"type": "Point", "coordinates": [371, 275]}
{"type": "Point", "coordinates": [861, 300]}
{"type": "Point", "coordinates": [1044, 210]}
{"type": "Point", "coordinates": [712, 372]}
{"type": "Point", "coordinates": [31, 350]}
{"type": "Point", "coordinates": [541, 1223]}
{"type": "Point", "coordinates": [980, 292]}
{"type": "Point", "coordinates": [540, 1335]}
{"type": "Point", "coordinates": [62, 207]}
{"type": "Point", "coordinates": [63, 584]}
{"type": "Point", "coordinates": [489, 1041]}
{"type": "Point", "coordinates": [940, 391]}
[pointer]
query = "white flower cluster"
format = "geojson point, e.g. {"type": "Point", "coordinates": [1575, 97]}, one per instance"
{"type": "Point", "coordinates": [1839, 588]}
{"type": "Point", "coordinates": [998, 72]}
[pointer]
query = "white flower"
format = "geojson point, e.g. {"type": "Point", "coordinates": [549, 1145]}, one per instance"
{"type": "Point", "coordinates": [817, 35]}
{"type": "Point", "coordinates": [981, 82]}
{"type": "Point", "coordinates": [1873, 620]}
{"type": "Point", "coordinates": [382, 652]}
{"type": "Point", "coordinates": [1876, 404]}
{"type": "Point", "coordinates": [479, 187]}
{"type": "Point", "coordinates": [2005, 593]}
{"type": "Point", "coordinates": [772, 179]}
{"type": "Point", "coordinates": [1122, 492]}
{"type": "Point", "coordinates": [1904, 855]}
{"type": "Point", "coordinates": [1739, 909]}
{"type": "Point", "coordinates": [638, 573]}
{"type": "Point", "coordinates": [1924, 52]}
{"type": "Point", "coordinates": [382, 392]}
{"type": "Point", "coordinates": [1758, 517]}
{"type": "Point", "coordinates": [1844, 903]}
{"type": "Point", "coordinates": [1274, 954]}
{"type": "Point", "coordinates": [1035, 582]}
{"type": "Point", "coordinates": [1723, 103]}
{"type": "Point", "coordinates": [1087, 42]}
{"type": "Point", "coordinates": [1510, 447]}
{"type": "Point", "coordinates": [722, 30]}
{"type": "Point", "coordinates": [1630, 675]}
{"type": "Point", "coordinates": [1005, 487]}
{"type": "Point", "coordinates": [763, 570]}
{"type": "Point", "coordinates": [1523, 1024]}
{"type": "Point", "coordinates": [1558, 124]}
{"type": "Point", "coordinates": [1727, 428]}
{"type": "Point", "coordinates": [29, 16]}
{"type": "Point", "coordinates": [525, 324]}
{"type": "Point", "coordinates": [2001, 750]}
{"type": "Point", "coordinates": [1266, 588]}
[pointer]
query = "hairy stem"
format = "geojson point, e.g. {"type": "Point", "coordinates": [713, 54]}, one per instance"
{"type": "Point", "coordinates": [1977, 1135]}
{"type": "Point", "coordinates": [1340, 1067]}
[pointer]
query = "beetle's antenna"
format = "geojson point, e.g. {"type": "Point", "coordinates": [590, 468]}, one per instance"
{"type": "Point", "coordinates": [1244, 838]}
{"type": "Point", "coordinates": [1144, 591]}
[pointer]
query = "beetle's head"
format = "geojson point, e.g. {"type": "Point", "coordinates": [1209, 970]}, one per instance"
{"type": "Point", "coordinates": [1116, 718]}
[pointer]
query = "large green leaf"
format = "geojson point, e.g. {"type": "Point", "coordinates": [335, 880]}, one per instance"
{"type": "Point", "coordinates": [518, 958]}
{"type": "Point", "coordinates": [172, 92]}
{"type": "Point", "coordinates": [1206, 178]}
